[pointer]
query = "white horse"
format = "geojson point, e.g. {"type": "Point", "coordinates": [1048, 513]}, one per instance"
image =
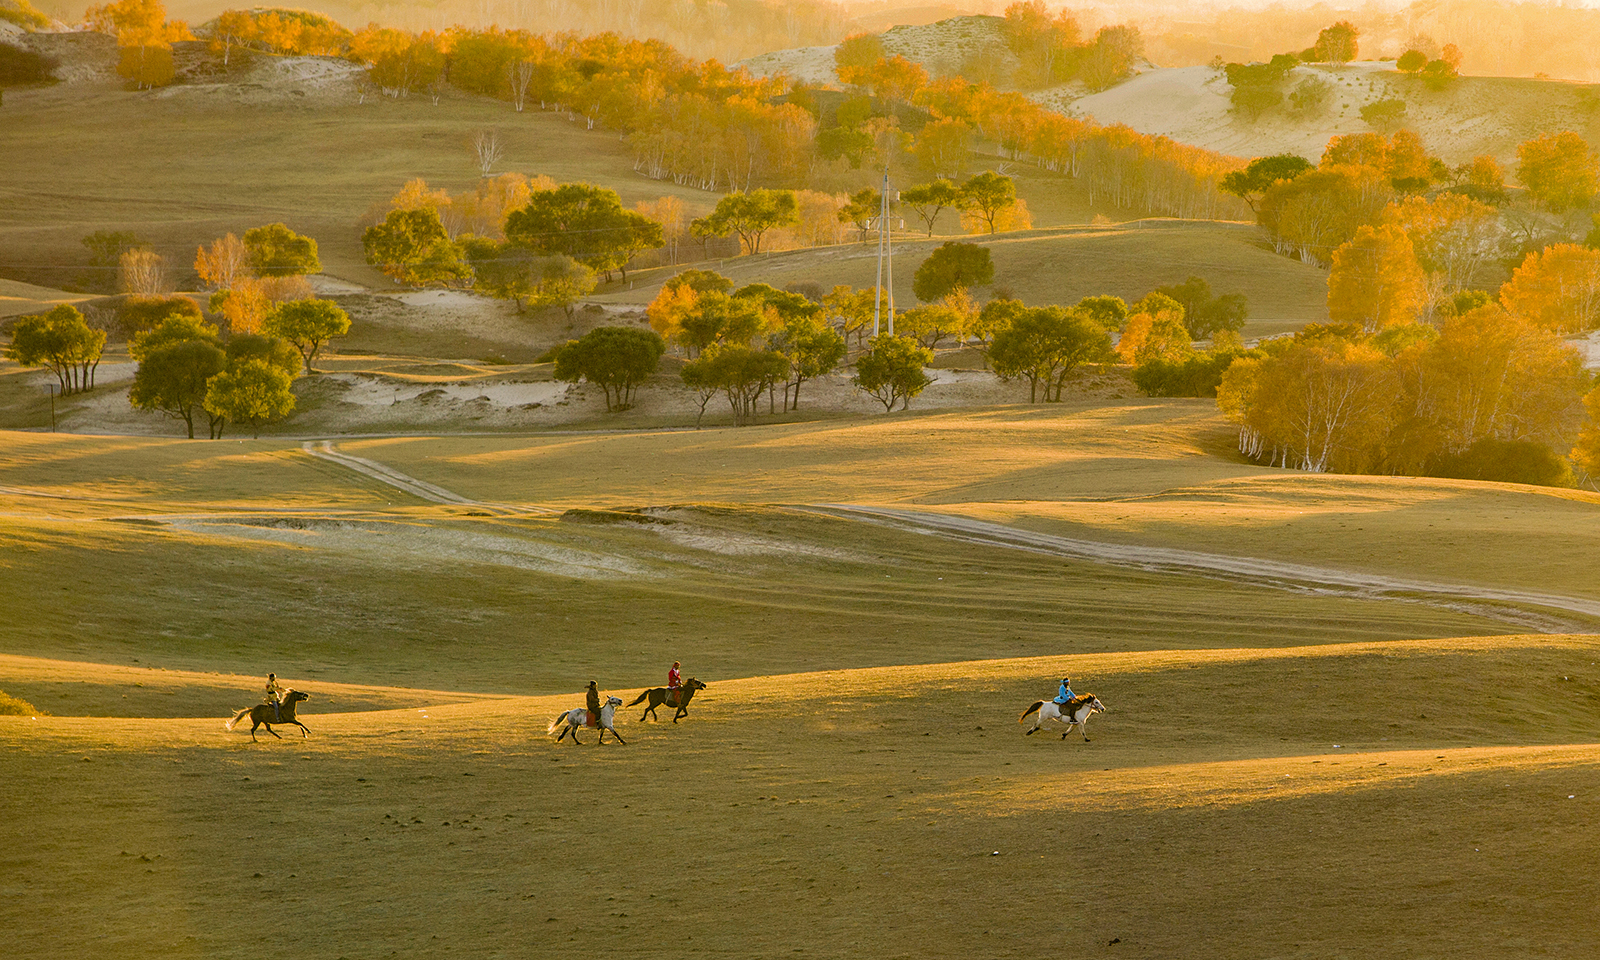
{"type": "Point", "coordinates": [579, 717]}
{"type": "Point", "coordinates": [1076, 711]}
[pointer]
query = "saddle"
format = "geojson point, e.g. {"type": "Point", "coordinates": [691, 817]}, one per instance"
{"type": "Point", "coordinates": [591, 719]}
{"type": "Point", "coordinates": [672, 697]}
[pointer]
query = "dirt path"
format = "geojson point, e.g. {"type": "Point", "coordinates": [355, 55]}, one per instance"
{"type": "Point", "coordinates": [1508, 606]}
{"type": "Point", "coordinates": [325, 450]}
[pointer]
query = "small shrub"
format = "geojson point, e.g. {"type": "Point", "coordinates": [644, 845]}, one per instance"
{"type": "Point", "coordinates": [1197, 376]}
{"type": "Point", "coordinates": [13, 707]}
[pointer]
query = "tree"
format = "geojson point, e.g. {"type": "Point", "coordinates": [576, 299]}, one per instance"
{"type": "Point", "coordinates": [751, 215]}
{"type": "Point", "coordinates": [942, 147]}
{"type": "Point", "coordinates": [488, 148]}
{"type": "Point", "coordinates": [175, 328]}
{"type": "Point", "coordinates": [308, 324]}
{"type": "Point", "coordinates": [1384, 115]}
{"type": "Point", "coordinates": [1453, 235]}
{"type": "Point", "coordinates": [1044, 345]}
{"type": "Point", "coordinates": [277, 251]}
{"type": "Point", "coordinates": [106, 248]}
{"type": "Point", "coordinates": [1204, 314]}
{"type": "Point", "coordinates": [1556, 289]}
{"type": "Point", "coordinates": [1439, 74]}
{"type": "Point", "coordinates": [953, 265]}
{"type": "Point", "coordinates": [986, 195]}
{"type": "Point", "coordinates": [616, 358]}
{"type": "Point", "coordinates": [561, 282]}
{"type": "Point", "coordinates": [1411, 61]}
{"type": "Point", "coordinates": [137, 314]}
{"type": "Point", "coordinates": [1155, 329]}
{"type": "Point", "coordinates": [742, 372]}
{"type": "Point", "coordinates": [1375, 280]}
{"type": "Point", "coordinates": [862, 211]}
{"type": "Point", "coordinates": [1559, 170]}
{"type": "Point", "coordinates": [262, 348]}
{"type": "Point", "coordinates": [586, 223]}
{"type": "Point", "coordinates": [142, 273]}
{"type": "Point", "coordinates": [892, 370]}
{"type": "Point", "coordinates": [813, 349]}
{"type": "Point", "coordinates": [253, 392]}
{"type": "Point", "coordinates": [412, 246]}
{"type": "Point", "coordinates": [929, 199]}
{"type": "Point", "coordinates": [172, 379]}
{"type": "Point", "coordinates": [63, 342]}
{"type": "Point", "coordinates": [225, 263]}
{"type": "Point", "coordinates": [1337, 44]}
{"type": "Point", "coordinates": [1108, 311]}
{"type": "Point", "coordinates": [1253, 101]}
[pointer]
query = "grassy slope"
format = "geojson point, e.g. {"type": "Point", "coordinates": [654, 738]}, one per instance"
{"type": "Point", "coordinates": [1213, 810]}
{"type": "Point", "coordinates": [182, 167]}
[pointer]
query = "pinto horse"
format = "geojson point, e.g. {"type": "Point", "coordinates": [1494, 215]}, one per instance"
{"type": "Point", "coordinates": [262, 714]}
{"type": "Point", "coordinates": [660, 695]}
{"type": "Point", "coordinates": [579, 717]}
{"type": "Point", "coordinates": [1076, 711]}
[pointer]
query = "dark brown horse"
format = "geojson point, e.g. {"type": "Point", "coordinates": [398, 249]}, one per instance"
{"type": "Point", "coordinates": [263, 714]}
{"type": "Point", "coordinates": [673, 698]}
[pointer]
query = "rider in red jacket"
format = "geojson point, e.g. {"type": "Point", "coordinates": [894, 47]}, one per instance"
{"type": "Point", "coordinates": [674, 683]}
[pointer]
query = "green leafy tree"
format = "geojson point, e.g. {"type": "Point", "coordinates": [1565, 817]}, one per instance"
{"type": "Point", "coordinates": [263, 348]}
{"type": "Point", "coordinates": [1252, 182]}
{"type": "Point", "coordinates": [1108, 311]}
{"type": "Point", "coordinates": [862, 211]}
{"type": "Point", "coordinates": [413, 247]}
{"type": "Point", "coordinates": [741, 372]}
{"type": "Point", "coordinates": [892, 370]}
{"type": "Point", "coordinates": [616, 358]}
{"type": "Point", "coordinates": [586, 223]}
{"type": "Point", "coordinates": [812, 347]}
{"type": "Point", "coordinates": [1412, 61]}
{"type": "Point", "coordinates": [1203, 313]}
{"type": "Point", "coordinates": [987, 195]}
{"type": "Point", "coordinates": [106, 248]}
{"type": "Point", "coordinates": [61, 341]}
{"type": "Point", "coordinates": [718, 318]}
{"type": "Point", "coordinates": [562, 282]}
{"type": "Point", "coordinates": [505, 271]}
{"type": "Point", "coordinates": [277, 251]}
{"type": "Point", "coordinates": [929, 199]}
{"type": "Point", "coordinates": [253, 393]}
{"type": "Point", "coordinates": [172, 379]}
{"type": "Point", "coordinates": [1044, 345]}
{"type": "Point", "coordinates": [175, 328]}
{"type": "Point", "coordinates": [308, 324]}
{"type": "Point", "coordinates": [952, 266]}
{"type": "Point", "coordinates": [1439, 74]}
{"type": "Point", "coordinates": [1338, 44]}
{"type": "Point", "coordinates": [137, 314]}
{"type": "Point", "coordinates": [751, 215]}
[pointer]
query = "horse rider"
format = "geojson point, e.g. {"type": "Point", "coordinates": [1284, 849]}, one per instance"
{"type": "Point", "coordinates": [674, 684]}
{"type": "Point", "coordinates": [275, 693]}
{"type": "Point", "coordinates": [593, 703]}
{"type": "Point", "coordinates": [1064, 696]}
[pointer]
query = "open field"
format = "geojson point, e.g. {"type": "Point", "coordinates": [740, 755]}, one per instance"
{"type": "Point", "coordinates": [1287, 768]}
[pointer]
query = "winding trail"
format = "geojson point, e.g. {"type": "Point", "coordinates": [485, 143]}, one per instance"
{"type": "Point", "coordinates": [1510, 606]}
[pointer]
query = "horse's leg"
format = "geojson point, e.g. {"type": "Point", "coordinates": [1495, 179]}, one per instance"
{"type": "Point", "coordinates": [614, 733]}
{"type": "Point", "coordinates": [272, 731]}
{"type": "Point", "coordinates": [305, 731]}
{"type": "Point", "coordinates": [254, 723]}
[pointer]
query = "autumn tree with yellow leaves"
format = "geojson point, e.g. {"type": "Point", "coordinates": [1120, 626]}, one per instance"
{"type": "Point", "coordinates": [1375, 280]}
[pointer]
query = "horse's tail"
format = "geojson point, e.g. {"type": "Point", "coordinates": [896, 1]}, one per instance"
{"type": "Point", "coordinates": [640, 699]}
{"type": "Point", "coordinates": [236, 718]}
{"type": "Point", "coordinates": [556, 723]}
{"type": "Point", "coordinates": [1025, 714]}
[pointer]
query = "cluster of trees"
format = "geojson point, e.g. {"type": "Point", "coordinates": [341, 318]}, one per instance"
{"type": "Point", "coordinates": [144, 37]}
{"type": "Point", "coordinates": [548, 252]}
{"type": "Point", "coordinates": [1050, 51]}
{"type": "Point", "coordinates": [250, 277]}
{"type": "Point", "coordinates": [61, 341]}
{"type": "Point", "coordinates": [188, 371]}
{"type": "Point", "coordinates": [1487, 395]}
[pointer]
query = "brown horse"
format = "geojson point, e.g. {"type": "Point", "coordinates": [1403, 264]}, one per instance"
{"type": "Point", "coordinates": [262, 714]}
{"type": "Point", "coordinates": [660, 695]}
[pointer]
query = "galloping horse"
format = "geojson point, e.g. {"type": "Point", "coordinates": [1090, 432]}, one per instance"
{"type": "Point", "coordinates": [1077, 711]}
{"type": "Point", "coordinates": [660, 695]}
{"type": "Point", "coordinates": [579, 717]}
{"type": "Point", "coordinates": [262, 714]}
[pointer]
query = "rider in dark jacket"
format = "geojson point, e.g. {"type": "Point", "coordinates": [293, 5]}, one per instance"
{"type": "Point", "coordinates": [593, 702]}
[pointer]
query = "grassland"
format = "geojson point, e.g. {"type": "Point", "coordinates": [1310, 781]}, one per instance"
{"type": "Point", "coordinates": [1283, 771]}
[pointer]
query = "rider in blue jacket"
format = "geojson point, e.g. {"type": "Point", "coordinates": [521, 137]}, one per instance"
{"type": "Point", "coordinates": [1064, 695]}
